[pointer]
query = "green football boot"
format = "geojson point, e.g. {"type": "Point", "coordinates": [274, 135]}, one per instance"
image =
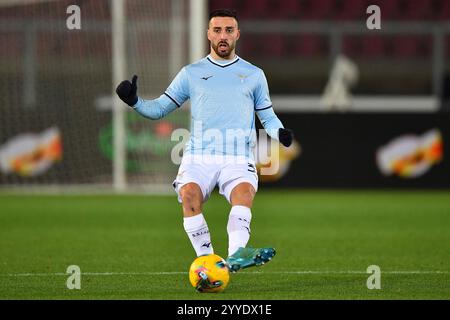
{"type": "Point", "coordinates": [249, 257]}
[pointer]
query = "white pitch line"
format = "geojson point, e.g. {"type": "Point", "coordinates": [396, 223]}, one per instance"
{"type": "Point", "coordinates": [358, 272]}
{"type": "Point", "coordinates": [254, 272]}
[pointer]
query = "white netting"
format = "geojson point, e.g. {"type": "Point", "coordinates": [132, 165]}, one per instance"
{"type": "Point", "coordinates": [56, 86]}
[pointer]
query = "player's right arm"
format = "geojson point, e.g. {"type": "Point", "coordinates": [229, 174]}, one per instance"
{"type": "Point", "coordinates": [155, 109]}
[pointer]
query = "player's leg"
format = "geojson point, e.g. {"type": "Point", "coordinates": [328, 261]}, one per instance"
{"type": "Point", "coordinates": [193, 220]}
{"type": "Point", "coordinates": [243, 195]}
{"type": "Point", "coordinates": [240, 256]}
{"type": "Point", "coordinates": [191, 199]}
{"type": "Point", "coordinates": [240, 216]}
{"type": "Point", "coordinates": [239, 183]}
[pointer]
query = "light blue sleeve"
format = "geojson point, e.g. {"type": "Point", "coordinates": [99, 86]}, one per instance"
{"type": "Point", "coordinates": [261, 94]}
{"type": "Point", "coordinates": [178, 90]}
{"type": "Point", "coordinates": [270, 121]}
{"type": "Point", "coordinates": [264, 110]}
{"type": "Point", "coordinates": [155, 109]}
{"type": "Point", "coordinates": [175, 95]}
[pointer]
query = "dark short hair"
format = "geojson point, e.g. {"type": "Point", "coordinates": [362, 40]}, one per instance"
{"type": "Point", "coordinates": [223, 13]}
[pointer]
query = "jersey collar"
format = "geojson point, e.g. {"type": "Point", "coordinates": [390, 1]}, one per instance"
{"type": "Point", "coordinates": [221, 63]}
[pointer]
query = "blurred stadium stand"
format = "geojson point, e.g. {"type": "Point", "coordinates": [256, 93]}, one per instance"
{"type": "Point", "coordinates": [410, 51]}
{"type": "Point", "coordinates": [64, 78]}
{"type": "Point", "coordinates": [309, 34]}
{"type": "Point", "coordinates": [336, 9]}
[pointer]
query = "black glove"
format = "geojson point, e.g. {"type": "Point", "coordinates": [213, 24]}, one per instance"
{"type": "Point", "coordinates": [285, 136]}
{"type": "Point", "coordinates": [127, 91]}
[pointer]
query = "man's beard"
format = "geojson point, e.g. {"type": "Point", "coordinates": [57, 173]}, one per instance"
{"type": "Point", "coordinates": [223, 53]}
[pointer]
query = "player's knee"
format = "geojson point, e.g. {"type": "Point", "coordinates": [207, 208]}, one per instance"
{"type": "Point", "coordinates": [191, 191]}
{"type": "Point", "coordinates": [244, 199]}
{"type": "Point", "coordinates": [243, 194]}
{"type": "Point", "coordinates": [191, 196]}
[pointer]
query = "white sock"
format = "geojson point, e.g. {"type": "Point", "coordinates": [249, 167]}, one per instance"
{"type": "Point", "coordinates": [198, 232]}
{"type": "Point", "coordinates": [238, 228]}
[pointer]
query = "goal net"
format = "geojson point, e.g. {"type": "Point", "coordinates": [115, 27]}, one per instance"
{"type": "Point", "coordinates": [56, 84]}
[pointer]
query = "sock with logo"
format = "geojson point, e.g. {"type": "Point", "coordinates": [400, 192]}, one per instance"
{"type": "Point", "coordinates": [238, 228]}
{"type": "Point", "coordinates": [198, 232]}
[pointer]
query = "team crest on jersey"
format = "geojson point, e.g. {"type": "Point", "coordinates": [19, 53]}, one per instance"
{"type": "Point", "coordinates": [242, 77]}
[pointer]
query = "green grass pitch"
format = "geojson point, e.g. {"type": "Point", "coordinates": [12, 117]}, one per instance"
{"type": "Point", "coordinates": [134, 247]}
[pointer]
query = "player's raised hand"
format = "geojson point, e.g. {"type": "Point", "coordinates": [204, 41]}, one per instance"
{"type": "Point", "coordinates": [285, 136]}
{"type": "Point", "coordinates": [127, 91]}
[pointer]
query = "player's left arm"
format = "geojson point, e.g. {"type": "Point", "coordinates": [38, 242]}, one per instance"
{"type": "Point", "coordinates": [268, 118]}
{"type": "Point", "coordinates": [274, 127]}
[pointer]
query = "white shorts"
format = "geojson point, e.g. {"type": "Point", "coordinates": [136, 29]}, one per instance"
{"type": "Point", "coordinates": [226, 172]}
